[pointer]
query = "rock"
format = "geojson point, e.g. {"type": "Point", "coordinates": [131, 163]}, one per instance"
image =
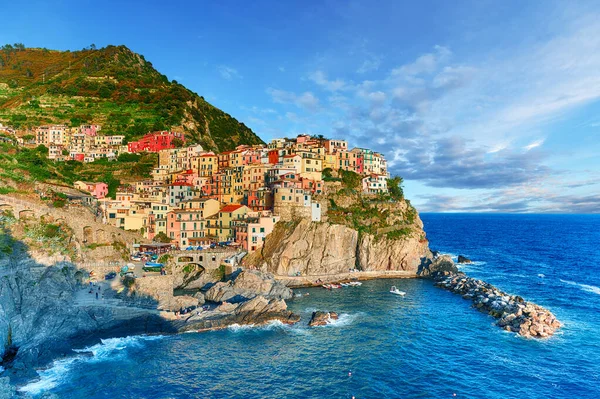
{"type": "Point", "coordinates": [311, 248]}
{"type": "Point", "coordinates": [256, 311]}
{"type": "Point", "coordinates": [322, 318]}
{"type": "Point", "coordinates": [441, 265]}
{"type": "Point", "coordinates": [513, 312]}
{"type": "Point", "coordinates": [463, 259]}
{"type": "Point", "coordinates": [200, 297]}
{"type": "Point", "coordinates": [220, 292]}
{"type": "Point", "coordinates": [259, 283]}
{"type": "Point", "coordinates": [247, 285]}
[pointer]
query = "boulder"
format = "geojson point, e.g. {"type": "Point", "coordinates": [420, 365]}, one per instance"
{"type": "Point", "coordinates": [247, 285]}
{"type": "Point", "coordinates": [256, 311]}
{"type": "Point", "coordinates": [463, 259]}
{"type": "Point", "coordinates": [441, 265]}
{"type": "Point", "coordinates": [220, 292]}
{"type": "Point", "coordinates": [322, 318]}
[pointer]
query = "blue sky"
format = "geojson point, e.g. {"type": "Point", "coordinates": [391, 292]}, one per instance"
{"type": "Point", "coordinates": [480, 106]}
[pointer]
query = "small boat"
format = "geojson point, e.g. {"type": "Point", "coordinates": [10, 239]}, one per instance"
{"type": "Point", "coordinates": [355, 283]}
{"type": "Point", "coordinates": [396, 291]}
{"type": "Point", "coordinates": [326, 286]}
{"type": "Point", "coordinates": [298, 295]}
{"type": "Point", "coordinates": [345, 284]}
{"type": "Point", "coordinates": [336, 286]}
{"type": "Point", "coordinates": [152, 267]}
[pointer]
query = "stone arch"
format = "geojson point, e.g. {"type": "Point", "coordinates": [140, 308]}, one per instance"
{"type": "Point", "coordinates": [88, 235]}
{"type": "Point", "coordinates": [194, 269]}
{"type": "Point", "coordinates": [26, 214]}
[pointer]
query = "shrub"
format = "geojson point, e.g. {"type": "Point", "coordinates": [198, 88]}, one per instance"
{"type": "Point", "coordinates": [128, 281]}
{"type": "Point", "coordinates": [59, 203]}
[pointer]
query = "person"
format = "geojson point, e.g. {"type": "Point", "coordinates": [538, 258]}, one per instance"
{"type": "Point", "coordinates": [96, 295]}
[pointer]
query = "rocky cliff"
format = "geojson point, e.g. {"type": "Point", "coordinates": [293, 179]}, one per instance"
{"type": "Point", "coordinates": [373, 233]}
{"type": "Point", "coordinates": [317, 248]}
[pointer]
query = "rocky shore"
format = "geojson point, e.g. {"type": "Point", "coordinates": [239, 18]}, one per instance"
{"type": "Point", "coordinates": [514, 314]}
{"type": "Point", "coordinates": [320, 318]}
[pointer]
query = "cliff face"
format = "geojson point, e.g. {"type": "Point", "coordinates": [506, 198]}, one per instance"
{"type": "Point", "coordinates": [40, 317]}
{"type": "Point", "coordinates": [313, 248]}
{"type": "Point", "coordinates": [374, 233]}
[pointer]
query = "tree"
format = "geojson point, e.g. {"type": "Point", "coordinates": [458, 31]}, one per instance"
{"type": "Point", "coordinates": [161, 237]}
{"type": "Point", "coordinates": [177, 143]}
{"type": "Point", "coordinates": [395, 187]}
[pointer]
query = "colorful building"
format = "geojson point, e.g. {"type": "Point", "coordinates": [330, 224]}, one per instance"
{"type": "Point", "coordinates": [154, 142]}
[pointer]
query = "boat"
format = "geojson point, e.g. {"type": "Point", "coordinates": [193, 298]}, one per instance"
{"type": "Point", "coordinates": [336, 286]}
{"type": "Point", "coordinates": [152, 267]}
{"type": "Point", "coordinates": [326, 286]}
{"type": "Point", "coordinates": [396, 291]}
{"type": "Point", "coordinates": [345, 284]}
{"type": "Point", "coordinates": [354, 283]}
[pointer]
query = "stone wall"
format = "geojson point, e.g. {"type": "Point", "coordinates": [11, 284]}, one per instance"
{"type": "Point", "coordinates": [86, 228]}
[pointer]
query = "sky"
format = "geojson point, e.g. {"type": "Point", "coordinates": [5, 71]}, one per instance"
{"type": "Point", "coordinates": [481, 106]}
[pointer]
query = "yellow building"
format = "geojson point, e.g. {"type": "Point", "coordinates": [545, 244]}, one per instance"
{"type": "Point", "coordinates": [222, 227]}
{"type": "Point", "coordinates": [207, 165]}
{"type": "Point", "coordinates": [229, 185]}
{"type": "Point", "coordinates": [204, 207]}
{"type": "Point", "coordinates": [330, 161]}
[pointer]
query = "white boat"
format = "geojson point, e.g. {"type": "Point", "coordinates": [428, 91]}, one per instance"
{"type": "Point", "coordinates": [396, 291]}
{"type": "Point", "coordinates": [355, 283]}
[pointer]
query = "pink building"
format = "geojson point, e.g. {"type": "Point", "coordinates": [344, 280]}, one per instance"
{"type": "Point", "coordinates": [98, 190]}
{"type": "Point", "coordinates": [89, 130]}
{"type": "Point", "coordinates": [252, 233]}
{"type": "Point", "coordinates": [250, 157]}
{"type": "Point", "coordinates": [314, 186]}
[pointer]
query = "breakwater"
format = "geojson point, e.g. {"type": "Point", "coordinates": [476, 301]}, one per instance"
{"type": "Point", "coordinates": [513, 312]}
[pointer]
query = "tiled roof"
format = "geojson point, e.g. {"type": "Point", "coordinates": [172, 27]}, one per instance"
{"type": "Point", "coordinates": [231, 208]}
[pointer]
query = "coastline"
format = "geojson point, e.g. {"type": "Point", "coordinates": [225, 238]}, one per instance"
{"type": "Point", "coordinates": [310, 280]}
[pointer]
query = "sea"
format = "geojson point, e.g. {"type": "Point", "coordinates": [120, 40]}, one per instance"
{"type": "Point", "coordinates": [428, 344]}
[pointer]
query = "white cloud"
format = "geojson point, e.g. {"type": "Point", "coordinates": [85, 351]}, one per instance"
{"type": "Point", "coordinates": [369, 65]}
{"type": "Point", "coordinates": [534, 144]}
{"type": "Point", "coordinates": [306, 100]}
{"type": "Point", "coordinates": [426, 63]}
{"type": "Point", "coordinates": [320, 78]}
{"type": "Point", "coordinates": [228, 73]}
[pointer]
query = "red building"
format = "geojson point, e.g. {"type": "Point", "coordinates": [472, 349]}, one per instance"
{"type": "Point", "coordinates": [154, 142]}
{"type": "Point", "coordinates": [274, 157]}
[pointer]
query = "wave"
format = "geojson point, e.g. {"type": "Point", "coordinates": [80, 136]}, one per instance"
{"type": "Point", "coordinates": [270, 326]}
{"type": "Point", "coordinates": [584, 287]}
{"type": "Point", "coordinates": [460, 265]}
{"type": "Point", "coordinates": [59, 370]}
{"type": "Point", "coordinates": [343, 319]}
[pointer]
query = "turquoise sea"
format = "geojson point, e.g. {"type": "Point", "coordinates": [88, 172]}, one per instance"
{"type": "Point", "coordinates": [428, 344]}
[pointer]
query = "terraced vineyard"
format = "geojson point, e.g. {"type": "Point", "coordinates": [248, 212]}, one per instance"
{"type": "Point", "coordinates": [113, 87]}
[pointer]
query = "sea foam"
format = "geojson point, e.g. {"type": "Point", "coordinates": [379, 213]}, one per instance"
{"type": "Point", "coordinates": [107, 349]}
{"type": "Point", "coordinates": [584, 287]}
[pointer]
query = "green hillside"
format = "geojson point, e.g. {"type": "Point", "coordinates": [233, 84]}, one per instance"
{"type": "Point", "coordinates": [113, 87]}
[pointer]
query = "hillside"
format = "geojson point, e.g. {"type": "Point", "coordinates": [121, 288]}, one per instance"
{"type": "Point", "coordinates": [113, 87]}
